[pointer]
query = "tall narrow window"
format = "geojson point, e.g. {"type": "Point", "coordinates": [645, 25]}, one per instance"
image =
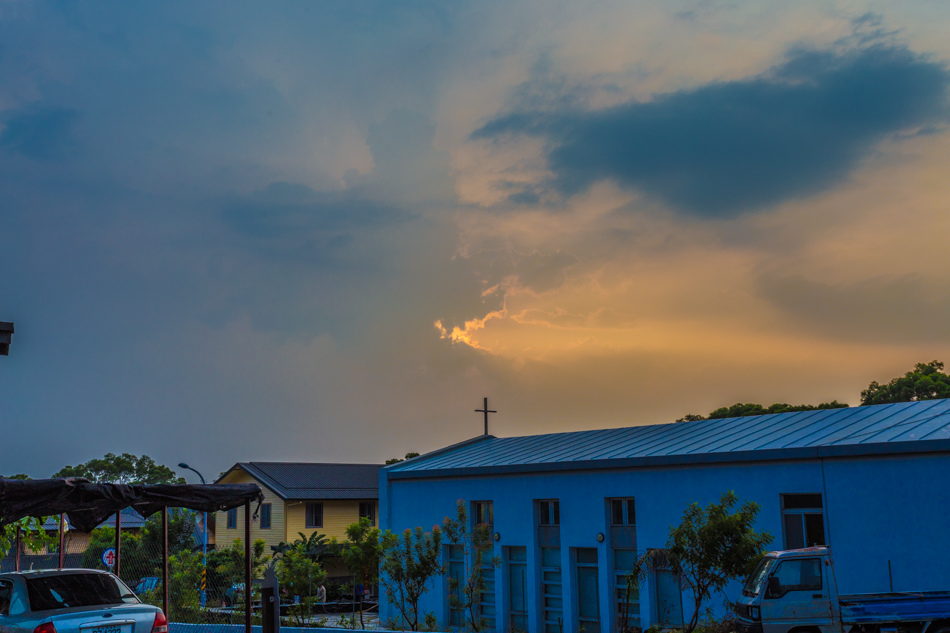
{"type": "Point", "coordinates": [588, 609]}
{"type": "Point", "coordinates": [455, 580]}
{"type": "Point", "coordinates": [265, 516]}
{"type": "Point", "coordinates": [314, 515]}
{"type": "Point", "coordinates": [627, 596]}
{"type": "Point", "coordinates": [368, 510]}
{"type": "Point", "coordinates": [552, 606]}
{"type": "Point", "coordinates": [232, 519]}
{"type": "Point", "coordinates": [517, 557]}
{"type": "Point", "coordinates": [623, 512]}
{"type": "Point", "coordinates": [803, 520]}
{"type": "Point", "coordinates": [483, 514]}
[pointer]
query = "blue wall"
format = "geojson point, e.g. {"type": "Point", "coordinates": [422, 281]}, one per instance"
{"type": "Point", "coordinates": [876, 509]}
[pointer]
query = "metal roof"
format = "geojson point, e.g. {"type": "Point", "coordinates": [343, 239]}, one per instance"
{"type": "Point", "coordinates": [131, 520]}
{"type": "Point", "coordinates": [295, 480]}
{"type": "Point", "coordinates": [905, 427]}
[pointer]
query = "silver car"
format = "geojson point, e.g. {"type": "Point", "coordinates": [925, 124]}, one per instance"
{"type": "Point", "coordinates": [73, 601]}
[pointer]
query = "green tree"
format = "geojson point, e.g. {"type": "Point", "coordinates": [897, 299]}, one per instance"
{"type": "Point", "coordinates": [925, 382]}
{"type": "Point", "coordinates": [122, 469]}
{"type": "Point", "coordinates": [396, 460]}
{"type": "Point", "coordinates": [708, 549]}
{"type": "Point", "coordinates": [743, 409]}
{"type": "Point", "coordinates": [409, 562]}
{"type": "Point", "coordinates": [361, 553]}
{"type": "Point", "coordinates": [299, 573]}
{"type": "Point", "coordinates": [32, 535]}
{"type": "Point", "coordinates": [316, 546]}
{"type": "Point", "coordinates": [476, 544]}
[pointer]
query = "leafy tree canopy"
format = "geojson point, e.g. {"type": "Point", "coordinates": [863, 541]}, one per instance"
{"type": "Point", "coordinates": [926, 382]}
{"type": "Point", "coordinates": [396, 460]}
{"type": "Point", "coordinates": [122, 469]}
{"type": "Point", "coordinates": [740, 409]}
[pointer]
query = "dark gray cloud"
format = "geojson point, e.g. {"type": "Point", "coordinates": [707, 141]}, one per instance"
{"type": "Point", "coordinates": [730, 147]}
{"type": "Point", "coordinates": [39, 133]}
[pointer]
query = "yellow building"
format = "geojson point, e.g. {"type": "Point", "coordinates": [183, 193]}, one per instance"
{"type": "Point", "coordinates": [301, 498]}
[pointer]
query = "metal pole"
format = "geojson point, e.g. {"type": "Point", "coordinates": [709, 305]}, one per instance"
{"type": "Point", "coordinates": [18, 548]}
{"type": "Point", "coordinates": [118, 542]}
{"type": "Point", "coordinates": [62, 540]}
{"type": "Point", "coordinates": [204, 561]}
{"type": "Point", "coordinates": [165, 563]}
{"type": "Point", "coordinates": [249, 564]}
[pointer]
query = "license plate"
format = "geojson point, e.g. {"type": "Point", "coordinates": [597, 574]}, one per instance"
{"type": "Point", "coordinates": [107, 629]}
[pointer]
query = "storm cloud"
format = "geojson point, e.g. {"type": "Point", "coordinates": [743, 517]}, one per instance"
{"type": "Point", "coordinates": [730, 147]}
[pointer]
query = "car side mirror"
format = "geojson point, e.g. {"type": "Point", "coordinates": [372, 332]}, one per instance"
{"type": "Point", "coordinates": [774, 589]}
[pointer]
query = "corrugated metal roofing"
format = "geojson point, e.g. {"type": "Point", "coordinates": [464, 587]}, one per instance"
{"type": "Point", "coordinates": [131, 520]}
{"type": "Point", "coordinates": [890, 428]}
{"type": "Point", "coordinates": [295, 480]}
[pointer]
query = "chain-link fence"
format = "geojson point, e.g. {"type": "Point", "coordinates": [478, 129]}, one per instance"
{"type": "Point", "coordinates": [207, 587]}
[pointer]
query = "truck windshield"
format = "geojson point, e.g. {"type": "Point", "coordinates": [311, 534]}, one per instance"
{"type": "Point", "coordinates": [757, 578]}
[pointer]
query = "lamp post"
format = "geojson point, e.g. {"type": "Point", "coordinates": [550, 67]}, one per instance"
{"type": "Point", "coordinates": [204, 543]}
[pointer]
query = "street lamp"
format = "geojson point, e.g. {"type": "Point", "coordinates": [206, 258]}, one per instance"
{"type": "Point", "coordinates": [204, 543]}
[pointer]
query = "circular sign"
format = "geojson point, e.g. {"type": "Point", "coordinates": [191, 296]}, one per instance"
{"type": "Point", "coordinates": [108, 557]}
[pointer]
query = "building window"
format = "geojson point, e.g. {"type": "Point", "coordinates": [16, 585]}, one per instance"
{"type": "Point", "coordinates": [232, 519]}
{"type": "Point", "coordinates": [483, 514]}
{"type": "Point", "coordinates": [517, 587]}
{"type": "Point", "coordinates": [314, 515]}
{"type": "Point", "coordinates": [455, 556]}
{"type": "Point", "coordinates": [803, 520]}
{"type": "Point", "coordinates": [588, 604]}
{"type": "Point", "coordinates": [265, 516]}
{"type": "Point", "coordinates": [549, 512]}
{"type": "Point", "coordinates": [627, 596]}
{"type": "Point", "coordinates": [368, 510]}
{"type": "Point", "coordinates": [552, 601]}
{"type": "Point", "coordinates": [623, 512]}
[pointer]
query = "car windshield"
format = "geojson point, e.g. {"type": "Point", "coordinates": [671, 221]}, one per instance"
{"type": "Point", "coordinates": [77, 590]}
{"type": "Point", "coordinates": [757, 578]}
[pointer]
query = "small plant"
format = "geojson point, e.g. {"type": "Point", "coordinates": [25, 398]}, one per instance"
{"type": "Point", "coordinates": [409, 562]}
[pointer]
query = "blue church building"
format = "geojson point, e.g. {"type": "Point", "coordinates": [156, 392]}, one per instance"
{"type": "Point", "coordinates": [569, 512]}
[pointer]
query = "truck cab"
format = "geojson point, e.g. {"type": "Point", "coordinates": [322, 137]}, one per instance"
{"type": "Point", "coordinates": [791, 591]}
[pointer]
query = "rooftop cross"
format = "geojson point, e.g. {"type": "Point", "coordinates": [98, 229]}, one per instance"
{"type": "Point", "coordinates": [486, 411]}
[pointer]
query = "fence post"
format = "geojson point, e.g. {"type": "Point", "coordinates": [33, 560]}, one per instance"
{"type": "Point", "coordinates": [248, 566]}
{"type": "Point", "coordinates": [18, 548]}
{"type": "Point", "coordinates": [62, 540]}
{"type": "Point", "coordinates": [165, 563]}
{"type": "Point", "coordinates": [118, 542]}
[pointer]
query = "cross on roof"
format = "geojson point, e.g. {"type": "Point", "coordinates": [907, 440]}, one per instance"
{"type": "Point", "coordinates": [486, 411]}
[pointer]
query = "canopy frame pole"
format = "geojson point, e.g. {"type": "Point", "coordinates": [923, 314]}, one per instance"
{"type": "Point", "coordinates": [18, 530]}
{"type": "Point", "coordinates": [62, 540]}
{"type": "Point", "coordinates": [248, 566]}
{"type": "Point", "coordinates": [118, 542]}
{"type": "Point", "coordinates": [165, 562]}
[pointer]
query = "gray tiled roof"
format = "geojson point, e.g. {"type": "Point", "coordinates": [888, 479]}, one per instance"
{"type": "Point", "coordinates": [294, 480]}
{"type": "Point", "coordinates": [892, 428]}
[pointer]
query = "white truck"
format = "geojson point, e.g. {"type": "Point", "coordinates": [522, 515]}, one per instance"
{"type": "Point", "coordinates": [794, 591]}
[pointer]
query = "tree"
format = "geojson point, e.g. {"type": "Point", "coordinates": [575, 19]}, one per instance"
{"type": "Point", "coordinates": [299, 573]}
{"type": "Point", "coordinates": [362, 553]}
{"type": "Point", "coordinates": [476, 544]}
{"type": "Point", "coordinates": [122, 469]}
{"type": "Point", "coordinates": [409, 561]}
{"type": "Point", "coordinates": [708, 549]}
{"type": "Point", "coordinates": [396, 460]}
{"type": "Point", "coordinates": [316, 547]}
{"type": "Point", "coordinates": [741, 409]}
{"type": "Point", "coordinates": [926, 382]}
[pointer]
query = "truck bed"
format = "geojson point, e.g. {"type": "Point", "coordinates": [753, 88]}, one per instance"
{"type": "Point", "coordinates": [911, 606]}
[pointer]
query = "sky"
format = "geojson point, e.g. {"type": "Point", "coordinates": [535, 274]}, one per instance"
{"type": "Point", "coordinates": [325, 231]}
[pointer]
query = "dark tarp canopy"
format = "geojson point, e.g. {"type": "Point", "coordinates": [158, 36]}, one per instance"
{"type": "Point", "coordinates": [88, 504]}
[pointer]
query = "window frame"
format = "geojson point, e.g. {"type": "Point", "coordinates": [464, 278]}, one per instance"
{"type": "Point", "coordinates": [627, 503]}
{"type": "Point", "coordinates": [371, 513]}
{"type": "Point", "coordinates": [803, 512]}
{"type": "Point", "coordinates": [232, 519]}
{"type": "Point", "coordinates": [553, 511]}
{"type": "Point", "coordinates": [266, 513]}
{"type": "Point", "coordinates": [479, 507]}
{"type": "Point", "coordinates": [308, 515]}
